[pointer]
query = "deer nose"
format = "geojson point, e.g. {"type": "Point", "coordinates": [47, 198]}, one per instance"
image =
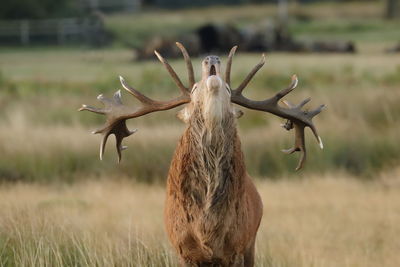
{"type": "Point", "coordinates": [214, 61]}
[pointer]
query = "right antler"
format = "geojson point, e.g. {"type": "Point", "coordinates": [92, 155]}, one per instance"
{"type": "Point", "coordinates": [117, 114]}
{"type": "Point", "coordinates": [296, 117]}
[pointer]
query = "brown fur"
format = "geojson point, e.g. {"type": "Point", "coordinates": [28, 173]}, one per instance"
{"type": "Point", "coordinates": [213, 209]}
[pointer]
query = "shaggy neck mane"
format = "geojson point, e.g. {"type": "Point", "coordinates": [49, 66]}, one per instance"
{"type": "Point", "coordinates": [208, 167]}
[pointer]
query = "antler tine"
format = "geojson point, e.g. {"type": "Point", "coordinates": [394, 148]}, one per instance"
{"type": "Point", "coordinates": [141, 97]}
{"type": "Point", "coordinates": [92, 109]}
{"type": "Point", "coordinates": [188, 62]}
{"type": "Point", "coordinates": [318, 110]}
{"type": "Point", "coordinates": [251, 74]}
{"type": "Point", "coordinates": [313, 113]}
{"type": "Point", "coordinates": [310, 114]}
{"type": "Point", "coordinates": [299, 145]}
{"type": "Point", "coordinates": [229, 65]}
{"type": "Point", "coordinates": [172, 72]}
{"type": "Point", "coordinates": [305, 101]}
{"type": "Point", "coordinates": [290, 88]}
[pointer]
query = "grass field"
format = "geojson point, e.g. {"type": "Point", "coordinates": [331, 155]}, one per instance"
{"type": "Point", "coordinates": [80, 211]}
{"type": "Point", "coordinates": [61, 206]}
{"type": "Point", "coordinates": [43, 138]}
{"type": "Point", "coordinates": [321, 221]}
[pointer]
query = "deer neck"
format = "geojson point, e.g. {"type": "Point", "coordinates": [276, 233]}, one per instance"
{"type": "Point", "coordinates": [214, 166]}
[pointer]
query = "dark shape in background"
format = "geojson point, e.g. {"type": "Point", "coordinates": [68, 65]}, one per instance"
{"type": "Point", "coordinates": [220, 38]}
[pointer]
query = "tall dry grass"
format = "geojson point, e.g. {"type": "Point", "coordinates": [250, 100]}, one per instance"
{"type": "Point", "coordinates": [323, 221]}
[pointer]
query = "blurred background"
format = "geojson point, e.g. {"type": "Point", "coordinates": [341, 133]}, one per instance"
{"type": "Point", "coordinates": [54, 57]}
{"type": "Point", "coordinates": [57, 55]}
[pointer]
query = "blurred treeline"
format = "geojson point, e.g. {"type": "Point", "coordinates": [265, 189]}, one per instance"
{"type": "Point", "coordinates": [39, 9]}
{"type": "Point", "coordinates": [133, 23]}
{"type": "Point", "coordinates": [43, 9]}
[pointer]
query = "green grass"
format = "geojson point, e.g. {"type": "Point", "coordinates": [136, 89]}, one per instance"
{"type": "Point", "coordinates": [44, 139]}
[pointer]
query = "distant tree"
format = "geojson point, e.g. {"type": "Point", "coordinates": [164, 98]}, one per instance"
{"type": "Point", "coordinates": [392, 9]}
{"type": "Point", "coordinates": [193, 3]}
{"type": "Point", "coordinates": [35, 9]}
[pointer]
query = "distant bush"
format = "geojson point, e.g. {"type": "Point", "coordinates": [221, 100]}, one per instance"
{"type": "Point", "coordinates": [38, 9]}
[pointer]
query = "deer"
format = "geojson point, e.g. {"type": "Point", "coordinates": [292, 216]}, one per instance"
{"type": "Point", "coordinates": [212, 208]}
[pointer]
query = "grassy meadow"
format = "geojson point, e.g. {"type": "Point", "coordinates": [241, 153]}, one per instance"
{"type": "Point", "coordinates": [43, 137]}
{"type": "Point", "coordinates": [321, 221]}
{"type": "Point", "coordinates": [61, 206]}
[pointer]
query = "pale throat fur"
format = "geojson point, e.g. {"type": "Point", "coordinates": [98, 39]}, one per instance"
{"type": "Point", "coordinates": [211, 142]}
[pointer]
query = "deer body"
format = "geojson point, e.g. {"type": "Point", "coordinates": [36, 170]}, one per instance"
{"type": "Point", "coordinates": [212, 209]}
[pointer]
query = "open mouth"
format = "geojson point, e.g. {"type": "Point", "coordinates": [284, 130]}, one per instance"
{"type": "Point", "coordinates": [213, 71]}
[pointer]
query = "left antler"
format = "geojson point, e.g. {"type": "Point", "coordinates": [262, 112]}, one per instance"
{"type": "Point", "coordinates": [297, 118]}
{"type": "Point", "coordinates": [117, 114]}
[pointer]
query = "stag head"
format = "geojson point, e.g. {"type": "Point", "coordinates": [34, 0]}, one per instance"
{"type": "Point", "coordinates": [210, 95]}
{"type": "Point", "coordinates": [213, 94]}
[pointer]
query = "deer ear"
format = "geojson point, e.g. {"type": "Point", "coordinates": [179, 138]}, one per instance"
{"type": "Point", "coordinates": [237, 112]}
{"type": "Point", "coordinates": [184, 114]}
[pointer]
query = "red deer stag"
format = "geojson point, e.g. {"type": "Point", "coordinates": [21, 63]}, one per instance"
{"type": "Point", "coordinates": [213, 209]}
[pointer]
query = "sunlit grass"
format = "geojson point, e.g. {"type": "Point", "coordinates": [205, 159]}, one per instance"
{"type": "Point", "coordinates": [328, 220]}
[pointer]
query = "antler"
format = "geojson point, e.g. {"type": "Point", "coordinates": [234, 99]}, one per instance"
{"type": "Point", "coordinates": [117, 114]}
{"type": "Point", "coordinates": [229, 65]}
{"type": "Point", "coordinates": [296, 118]}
